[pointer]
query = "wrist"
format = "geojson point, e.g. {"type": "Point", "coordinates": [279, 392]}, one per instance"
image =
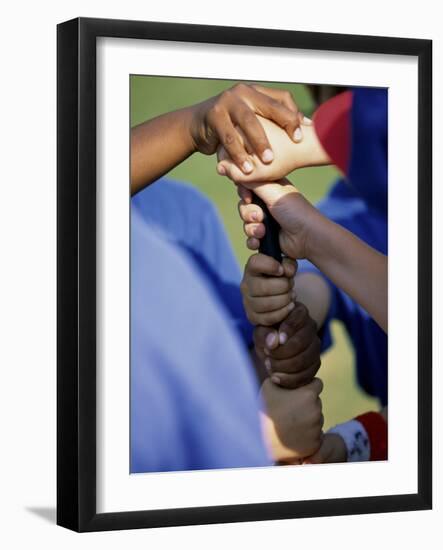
{"type": "Point", "coordinates": [191, 124]}
{"type": "Point", "coordinates": [340, 451]}
{"type": "Point", "coordinates": [318, 234]}
{"type": "Point", "coordinates": [203, 140]}
{"type": "Point", "coordinates": [355, 439]}
{"type": "Point", "coordinates": [365, 437]}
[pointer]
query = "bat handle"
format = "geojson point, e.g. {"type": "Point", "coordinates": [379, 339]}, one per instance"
{"type": "Point", "coordinates": [269, 244]}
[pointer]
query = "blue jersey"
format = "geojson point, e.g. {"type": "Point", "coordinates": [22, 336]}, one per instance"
{"type": "Point", "coordinates": [194, 397]}
{"type": "Point", "coordinates": [359, 203]}
{"type": "Point", "coordinates": [187, 218]}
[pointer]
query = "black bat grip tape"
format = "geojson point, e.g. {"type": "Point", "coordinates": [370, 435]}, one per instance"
{"type": "Point", "coordinates": [269, 244]}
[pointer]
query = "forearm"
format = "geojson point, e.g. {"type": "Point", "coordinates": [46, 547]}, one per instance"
{"type": "Point", "coordinates": [313, 291]}
{"type": "Point", "coordinates": [352, 265]}
{"type": "Point", "coordinates": [158, 145]}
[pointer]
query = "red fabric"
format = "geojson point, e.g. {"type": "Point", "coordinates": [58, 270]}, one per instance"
{"type": "Point", "coordinates": [332, 122]}
{"type": "Point", "coordinates": [377, 429]}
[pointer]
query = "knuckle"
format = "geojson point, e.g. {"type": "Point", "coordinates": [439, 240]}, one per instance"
{"type": "Point", "coordinates": [215, 111]}
{"type": "Point", "coordinates": [274, 103]}
{"type": "Point", "coordinates": [269, 318]}
{"type": "Point", "coordinates": [289, 381]}
{"type": "Point", "coordinates": [240, 87]}
{"type": "Point", "coordinates": [228, 139]}
{"type": "Point", "coordinates": [248, 116]}
{"type": "Point", "coordinates": [311, 394]}
{"type": "Point", "coordinates": [226, 95]}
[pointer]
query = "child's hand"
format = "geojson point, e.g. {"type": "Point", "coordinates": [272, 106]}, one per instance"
{"type": "Point", "coordinates": [293, 420]}
{"type": "Point", "coordinates": [332, 449]}
{"type": "Point", "coordinates": [291, 355]}
{"type": "Point", "coordinates": [267, 289]}
{"type": "Point", "coordinates": [218, 121]}
{"type": "Point", "coordinates": [297, 217]}
{"type": "Point", "coordinates": [288, 155]}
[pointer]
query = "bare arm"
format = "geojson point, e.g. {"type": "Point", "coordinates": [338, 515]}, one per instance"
{"type": "Point", "coordinates": [355, 267]}
{"type": "Point", "coordinates": [159, 145]}
{"type": "Point", "coordinates": [352, 265]}
{"type": "Point", "coordinates": [313, 291]}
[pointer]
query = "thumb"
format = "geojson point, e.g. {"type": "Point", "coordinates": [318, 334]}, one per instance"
{"type": "Point", "coordinates": [270, 193]}
{"type": "Point", "coordinates": [290, 267]}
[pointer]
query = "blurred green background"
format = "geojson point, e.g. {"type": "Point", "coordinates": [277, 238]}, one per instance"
{"type": "Point", "coordinates": [152, 96]}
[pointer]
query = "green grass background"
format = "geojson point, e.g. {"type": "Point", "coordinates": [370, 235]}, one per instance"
{"type": "Point", "coordinates": [152, 96]}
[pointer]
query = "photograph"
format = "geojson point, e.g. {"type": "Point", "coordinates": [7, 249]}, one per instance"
{"type": "Point", "coordinates": [227, 200]}
{"type": "Point", "coordinates": [258, 274]}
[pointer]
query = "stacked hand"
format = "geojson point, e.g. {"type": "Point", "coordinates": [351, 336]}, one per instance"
{"type": "Point", "coordinates": [293, 420]}
{"type": "Point", "coordinates": [230, 121]}
{"type": "Point", "coordinates": [291, 355]}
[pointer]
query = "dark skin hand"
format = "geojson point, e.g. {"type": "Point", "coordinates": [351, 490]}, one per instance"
{"type": "Point", "coordinates": [160, 144]}
{"type": "Point", "coordinates": [291, 355]}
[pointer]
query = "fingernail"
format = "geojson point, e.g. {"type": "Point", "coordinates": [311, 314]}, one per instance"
{"type": "Point", "coordinates": [307, 121]}
{"type": "Point", "coordinates": [283, 337]}
{"type": "Point", "coordinates": [297, 135]}
{"type": "Point", "coordinates": [268, 365]}
{"type": "Point", "coordinates": [280, 270]}
{"type": "Point", "coordinates": [267, 155]}
{"type": "Point", "coordinates": [291, 306]}
{"type": "Point", "coordinates": [276, 380]}
{"type": "Point", "coordinates": [221, 170]}
{"type": "Point", "coordinates": [254, 216]}
{"type": "Point", "coordinates": [270, 339]}
{"type": "Point", "coordinates": [247, 167]}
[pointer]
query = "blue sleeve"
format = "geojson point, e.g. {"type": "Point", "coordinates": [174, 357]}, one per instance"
{"type": "Point", "coordinates": [194, 397]}
{"type": "Point", "coordinates": [368, 168]}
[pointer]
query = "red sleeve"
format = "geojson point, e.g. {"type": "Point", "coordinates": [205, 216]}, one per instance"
{"type": "Point", "coordinates": [332, 122]}
{"type": "Point", "coordinates": [377, 429]}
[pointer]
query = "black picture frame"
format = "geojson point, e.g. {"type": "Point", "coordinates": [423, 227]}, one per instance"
{"type": "Point", "coordinates": [76, 277]}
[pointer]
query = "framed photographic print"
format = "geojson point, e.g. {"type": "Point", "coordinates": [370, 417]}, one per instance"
{"type": "Point", "coordinates": [244, 215]}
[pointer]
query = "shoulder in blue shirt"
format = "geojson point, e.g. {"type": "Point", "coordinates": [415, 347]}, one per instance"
{"type": "Point", "coordinates": [189, 219]}
{"type": "Point", "coordinates": [194, 398]}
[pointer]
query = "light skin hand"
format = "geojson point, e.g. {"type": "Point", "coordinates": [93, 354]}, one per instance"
{"type": "Point", "coordinates": [160, 144]}
{"type": "Point", "coordinates": [288, 155]}
{"type": "Point", "coordinates": [291, 355]}
{"type": "Point", "coordinates": [293, 420]}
